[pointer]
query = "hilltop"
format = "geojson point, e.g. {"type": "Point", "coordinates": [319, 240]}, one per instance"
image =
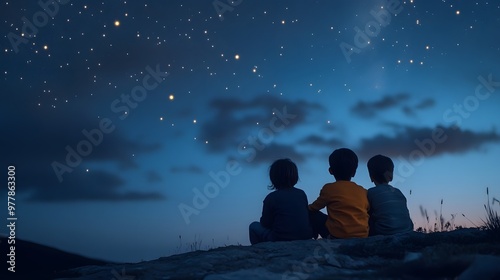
{"type": "Point", "coordinates": [465, 253]}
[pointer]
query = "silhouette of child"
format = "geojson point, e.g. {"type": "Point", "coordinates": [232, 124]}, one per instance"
{"type": "Point", "coordinates": [284, 213]}
{"type": "Point", "coordinates": [345, 201]}
{"type": "Point", "coordinates": [388, 211]}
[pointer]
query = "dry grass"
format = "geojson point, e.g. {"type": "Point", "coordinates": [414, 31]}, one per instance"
{"type": "Point", "coordinates": [189, 247]}
{"type": "Point", "coordinates": [492, 222]}
{"type": "Point", "coordinates": [440, 223]}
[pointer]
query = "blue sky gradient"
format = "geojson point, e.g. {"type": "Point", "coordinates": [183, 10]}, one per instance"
{"type": "Point", "coordinates": [118, 115]}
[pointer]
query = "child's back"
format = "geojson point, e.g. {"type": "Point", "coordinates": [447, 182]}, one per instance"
{"type": "Point", "coordinates": [285, 212]}
{"type": "Point", "coordinates": [346, 202]}
{"type": "Point", "coordinates": [347, 207]}
{"type": "Point", "coordinates": [285, 215]}
{"type": "Point", "coordinates": [388, 211]}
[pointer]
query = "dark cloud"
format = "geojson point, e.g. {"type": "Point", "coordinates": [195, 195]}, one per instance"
{"type": "Point", "coordinates": [237, 122]}
{"type": "Point", "coordinates": [153, 177]}
{"type": "Point", "coordinates": [85, 186]}
{"type": "Point", "coordinates": [315, 140]}
{"type": "Point", "coordinates": [424, 104]}
{"type": "Point", "coordinates": [430, 141]}
{"type": "Point", "coordinates": [370, 109]}
{"type": "Point", "coordinates": [40, 137]}
{"type": "Point", "coordinates": [186, 169]}
{"type": "Point", "coordinates": [407, 110]}
{"type": "Point", "coordinates": [273, 152]}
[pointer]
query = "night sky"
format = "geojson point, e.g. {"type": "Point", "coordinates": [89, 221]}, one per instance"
{"type": "Point", "coordinates": [140, 128]}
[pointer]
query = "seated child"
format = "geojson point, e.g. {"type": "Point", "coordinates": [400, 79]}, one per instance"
{"type": "Point", "coordinates": [285, 213]}
{"type": "Point", "coordinates": [388, 211]}
{"type": "Point", "coordinates": [345, 201]}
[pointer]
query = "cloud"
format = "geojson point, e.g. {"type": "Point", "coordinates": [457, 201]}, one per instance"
{"type": "Point", "coordinates": [408, 139]}
{"type": "Point", "coordinates": [408, 111]}
{"type": "Point", "coordinates": [315, 140]}
{"type": "Point", "coordinates": [424, 104]}
{"type": "Point", "coordinates": [238, 122]}
{"type": "Point", "coordinates": [39, 137]}
{"type": "Point", "coordinates": [86, 186]}
{"type": "Point", "coordinates": [370, 109]}
{"type": "Point", "coordinates": [275, 151]}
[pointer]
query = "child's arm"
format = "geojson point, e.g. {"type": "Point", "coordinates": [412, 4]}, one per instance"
{"type": "Point", "coordinates": [267, 218]}
{"type": "Point", "coordinates": [320, 203]}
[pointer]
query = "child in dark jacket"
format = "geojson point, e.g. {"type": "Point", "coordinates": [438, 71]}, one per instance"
{"type": "Point", "coordinates": [388, 211]}
{"type": "Point", "coordinates": [285, 215]}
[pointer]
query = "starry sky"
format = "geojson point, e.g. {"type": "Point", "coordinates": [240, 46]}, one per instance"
{"type": "Point", "coordinates": [142, 129]}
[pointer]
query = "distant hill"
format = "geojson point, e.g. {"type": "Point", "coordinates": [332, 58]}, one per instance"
{"type": "Point", "coordinates": [35, 261]}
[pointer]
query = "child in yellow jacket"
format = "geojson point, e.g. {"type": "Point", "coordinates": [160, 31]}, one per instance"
{"type": "Point", "coordinates": [346, 202]}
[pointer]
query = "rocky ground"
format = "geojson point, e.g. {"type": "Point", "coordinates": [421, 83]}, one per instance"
{"type": "Point", "coordinates": [460, 254]}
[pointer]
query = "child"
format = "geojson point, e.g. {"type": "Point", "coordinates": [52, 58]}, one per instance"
{"type": "Point", "coordinates": [284, 214]}
{"type": "Point", "coordinates": [388, 211]}
{"type": "Point", "coordinates": [345, 201]}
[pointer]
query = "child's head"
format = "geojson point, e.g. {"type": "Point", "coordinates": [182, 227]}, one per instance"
{"type": "Point", "coordinates": [283, 174]}
{"type": "Point", "coordinates": [381, 169]}
{"type": "Point", "coordinates": [343, 164]}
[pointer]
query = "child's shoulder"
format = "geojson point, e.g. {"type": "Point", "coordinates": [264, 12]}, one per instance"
{"type": "Point", "coordinates": [285, 194]}
{"type": "Point", "coordinates": [384, 188]}
{"type": "Point", "coordinates": [285, 191]}
{"type": "Point", "coordinates": [331, 184]}
{"type": "Point", "coordinates": [298, 191]}
{"type": "Point", "coordinates": [351, 184]}
{"type": "Point", "coordinates": [345, 185]}
{"type": "Point", "coordinates": [380, 188]}
{"type": "Point", "coordinates": [375, 187]}
{"type": "Point", "coordinates": [356, 184]}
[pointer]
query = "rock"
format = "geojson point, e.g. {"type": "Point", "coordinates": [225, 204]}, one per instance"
{"type": "Point", "coordinates": [247, 274]}
{"type": "Point", "coordinates": [483, 267]}
{"type": "Point", "coordinates": [466, 254]}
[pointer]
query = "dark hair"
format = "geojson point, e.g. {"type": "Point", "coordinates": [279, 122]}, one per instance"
{"type": "Point", "coordinates": [283, 174]}
{"type": "Point", "coordinates": [381, 169]}
{"type": "Point", "coordinates": [343, 164]}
